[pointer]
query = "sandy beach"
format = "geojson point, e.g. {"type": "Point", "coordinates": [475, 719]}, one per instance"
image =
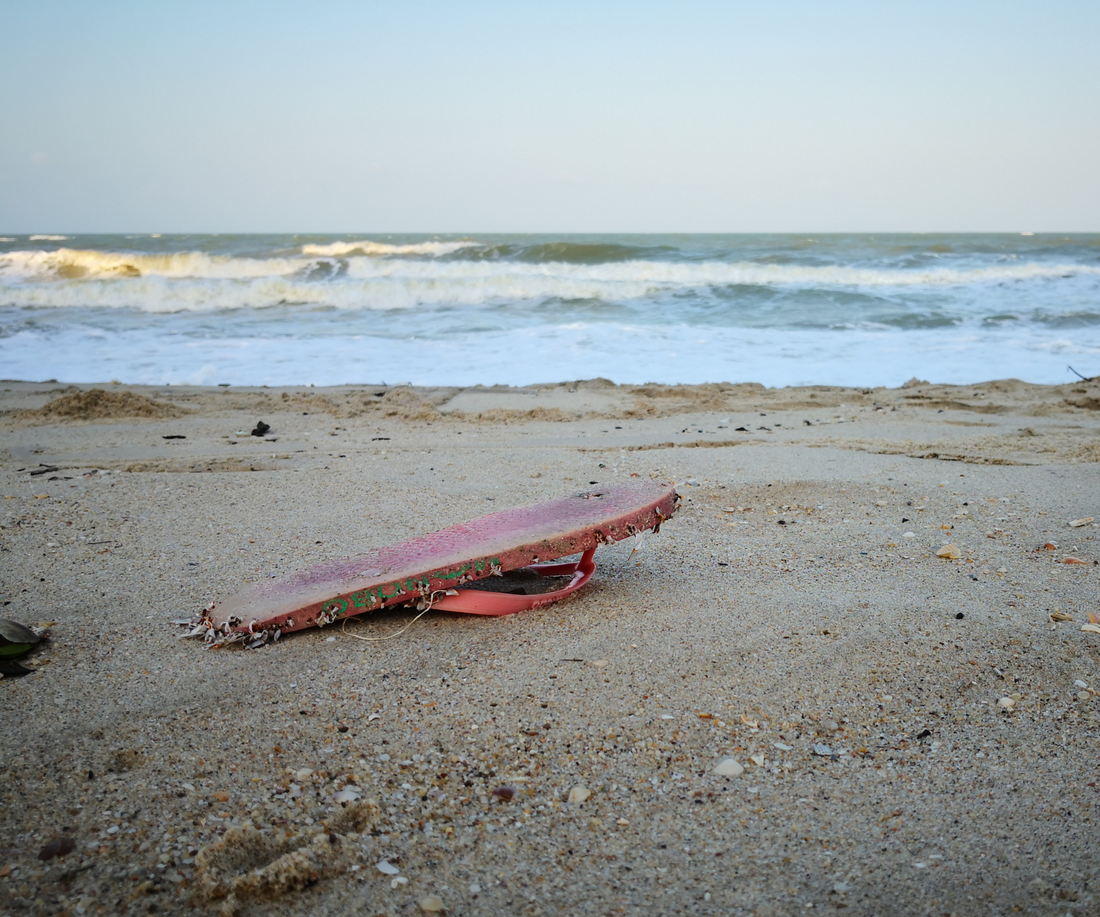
{"type": "Point", "coordinates": [914, 733]}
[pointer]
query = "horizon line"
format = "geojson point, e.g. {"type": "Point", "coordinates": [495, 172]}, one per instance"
{"type": "Point", "coordinates": [545, 232]}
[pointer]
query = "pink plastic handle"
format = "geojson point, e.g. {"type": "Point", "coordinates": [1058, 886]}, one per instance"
{"type": "Point", "coordinates": [473, 602]}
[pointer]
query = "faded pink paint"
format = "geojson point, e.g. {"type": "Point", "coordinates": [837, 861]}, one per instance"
{"type": "Point", "coordinates": [448, 558]}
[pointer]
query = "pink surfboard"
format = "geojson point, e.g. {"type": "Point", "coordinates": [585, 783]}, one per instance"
{"type": "Point", "coordinates": [432, 568]}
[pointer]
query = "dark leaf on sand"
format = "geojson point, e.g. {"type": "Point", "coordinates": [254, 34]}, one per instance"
{"type": "Point", "coordinates": [14, 650]}
{"type": "Point", "coordinates": [261, 428]}
{"type": "Point", "coordinates": [15, 639]}
{"type": "Point", "coordinates": [14, 632]}
{"type": "Point", "coordinates": [58, 847]}
{"type": "Point", "coordinates": [13, 669]}
{"type": "Point", "coordinates": [174, 436]}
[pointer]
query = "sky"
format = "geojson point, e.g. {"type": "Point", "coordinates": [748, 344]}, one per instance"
{"type": "Point", "coordinates": [549, 117]}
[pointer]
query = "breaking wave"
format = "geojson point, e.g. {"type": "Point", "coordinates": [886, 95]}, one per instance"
{"type": "Point", "coordinates": [777, 309]}
{"type": "Point", "coordinates": [78, 264]}
{"type": "Point", "coordinates": [197, 281]}
{"type": "Point", "coordinates": [368, 248]}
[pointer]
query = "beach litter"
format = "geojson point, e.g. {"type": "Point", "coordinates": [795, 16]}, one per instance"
{"type": "Point", "coordinates": [431, 571]}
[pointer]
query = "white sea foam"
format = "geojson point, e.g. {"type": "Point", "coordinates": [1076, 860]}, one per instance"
{"type": "Point", "coordinates": [367, 247]}
{"type": "Point", "coordinates": [7, 238]}
{"type": "Point", "coordinates": [521, 356]}
{"type": "Point", "coordinates": [42, 238]}
{"type": "Point", "coordinates": [160, 295]}
{"type": "Point", "coordinates": [707, 273]}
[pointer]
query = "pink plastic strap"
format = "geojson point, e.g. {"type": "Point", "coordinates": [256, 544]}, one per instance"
{"type": "Point", "coordinates": [474, 602]}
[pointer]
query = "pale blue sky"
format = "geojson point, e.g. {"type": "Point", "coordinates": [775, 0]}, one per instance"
{"type": "Point", "coordinates": [478, 116]}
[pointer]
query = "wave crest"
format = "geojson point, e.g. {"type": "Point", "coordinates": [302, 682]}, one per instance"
{"type": "Point", "coordinates": [375, 249]}
{"type": "Point", "coordinates": [78, 264]}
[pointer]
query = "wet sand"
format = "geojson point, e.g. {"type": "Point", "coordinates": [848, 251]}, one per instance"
{"type": "Point", "coordinates": [917, 735]}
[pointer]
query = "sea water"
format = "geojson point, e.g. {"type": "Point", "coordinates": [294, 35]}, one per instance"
{"type": "Point", "coordinates": [518, 309]}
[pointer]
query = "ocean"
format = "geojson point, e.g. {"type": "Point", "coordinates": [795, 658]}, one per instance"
{"type": "Point", "coordinates": [862, 310]}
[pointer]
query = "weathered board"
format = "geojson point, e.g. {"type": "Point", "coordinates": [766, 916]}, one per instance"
{"type": "Point", "coordinates": [440, 561]}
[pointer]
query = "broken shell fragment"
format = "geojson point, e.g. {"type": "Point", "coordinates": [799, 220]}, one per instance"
{"type": "Point", "coordinates": [1091, 628]}
{"type": "Point", "coordinates": [949, 552]}
{"type": "Point", "coordinates": [728, 767]}
{"type": "Point", "coordinates": [1006, 703]}
{"type": "Point", "coordinates": [1077, 523]}
{"type": "Point", "coordinates": [433, 904]}
{"type": "Point", "coordinates": [1057, 616]}
{"type": "Point", "coordinates": [58, 847]}
{"type": "Point", "coordinates": [579, 794]}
